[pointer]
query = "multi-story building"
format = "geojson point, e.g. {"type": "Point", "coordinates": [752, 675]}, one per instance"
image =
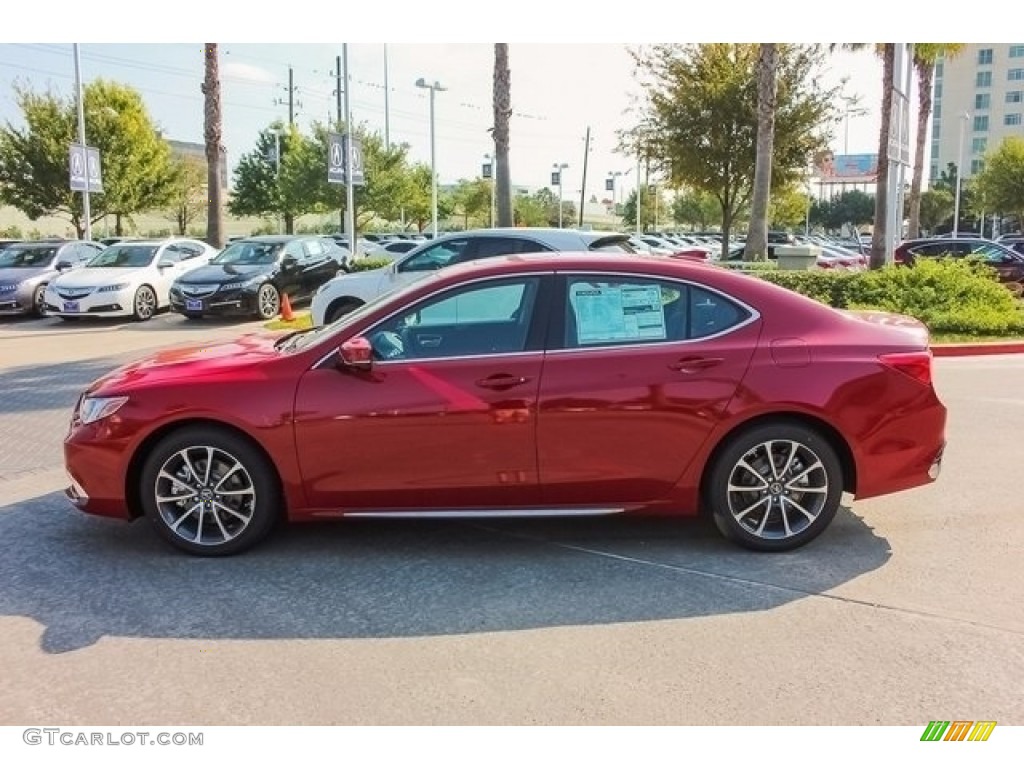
{"type": "Point", "coordinates": [979, 95]}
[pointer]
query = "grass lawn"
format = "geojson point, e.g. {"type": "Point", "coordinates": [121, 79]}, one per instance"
{"type": "Point", "coordinates": [302, 321]}
{"type": "Point", "coordinates": [965, 338]}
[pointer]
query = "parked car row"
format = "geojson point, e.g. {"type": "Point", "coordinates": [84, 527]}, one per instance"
{"type": "Point", "coordinates": [73, 279]}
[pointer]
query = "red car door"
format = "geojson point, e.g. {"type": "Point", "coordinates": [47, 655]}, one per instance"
{"type": "Point", "coordinates": [633, 384]}
{"type": "Point", "coordinates": [445, 419]}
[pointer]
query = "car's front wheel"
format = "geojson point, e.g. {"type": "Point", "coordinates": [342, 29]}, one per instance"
{"type": "Point", "coordinates": [268, 302]}
{"type": "Point", "coordinates": [775, 487]}
{"type": "Point", "coordinates": [210, 492]}
{"type": "Point", "coordinates": [342, 308]}
{"type": "Point", "coordinates": [144, 306]}
{"type": "Point", "coordinates": [39, 301]}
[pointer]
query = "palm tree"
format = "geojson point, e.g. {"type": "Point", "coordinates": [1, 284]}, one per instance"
{"type": "Point", "coordinates": [879, 231]}
{"type": "Point", "coordinates": [502, 113]}
{"type": "Point", "coordinates": [213, 132]}
{"type": "Point", "coordinates": [757, 234]}
{"type": "Point", "coordinates": [925, 57]}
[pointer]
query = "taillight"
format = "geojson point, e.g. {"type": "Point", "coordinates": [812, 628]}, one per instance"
{"type": "Point", "coordinates": [916, 365]}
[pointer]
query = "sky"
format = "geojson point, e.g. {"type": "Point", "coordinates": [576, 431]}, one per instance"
{"type": "Point", "coordinates": [559, 88]}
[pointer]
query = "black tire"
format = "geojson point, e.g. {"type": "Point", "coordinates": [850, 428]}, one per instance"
{"type": "Point", "coordinates": [268, 302]}
{"type": "Point", "coordinates": [341, 309]}
{"type": "Point", "coordinates": [790, 501]}
{"type": "Point", "coordinates": [222, 512]}
{"type": "Point", "coordinates": [144, 304]}
{"type": "Point", "coordinates": [39, 301]}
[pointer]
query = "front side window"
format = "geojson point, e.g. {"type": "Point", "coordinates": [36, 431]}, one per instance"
{"type": "Point", "coordinates": [489, 318]}
{"type": "Point", "coordinates": [437, 256]}
{"type": "Point", "coordinates": [992, 253]}
{"type": "Point", "coordinates": [602, 312]}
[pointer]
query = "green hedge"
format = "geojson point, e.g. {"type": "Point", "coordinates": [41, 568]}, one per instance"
{"type": "Point", "coordinates": [949, 296]}
{"type": "Point", "coordinates": [364, 265]}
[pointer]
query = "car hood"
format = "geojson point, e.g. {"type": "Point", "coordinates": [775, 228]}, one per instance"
{"type": "Point", "coordinates": [15, 275]}
{"type": "Point", "coordinates": [92, 277]}
{"type": "Point", "coordinates": [224, 273]}
{"type": "Point", "coordinates": [206, 362]}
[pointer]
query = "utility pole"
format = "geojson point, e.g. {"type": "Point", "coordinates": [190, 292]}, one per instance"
{"type": "Point", "coordinates": [350, 203]}
{"type": "Point", "coordinates": [86, 212]}
{"type": "Point", "coordinates": [387, 102]}
{"type": "Point", "coordinates": [337, 93]}
{"type": "Point", "coordinates": [583, 191]}
{"type": "Point", "coordinates": [291, 96]}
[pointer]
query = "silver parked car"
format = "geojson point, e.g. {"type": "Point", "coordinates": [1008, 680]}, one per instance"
{"type": "Point", "coordinates": [26, 269]}
{"type": "Point", "coordinates": [337, 297]}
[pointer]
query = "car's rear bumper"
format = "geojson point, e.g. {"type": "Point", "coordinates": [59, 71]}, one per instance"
{"type": "Point", "coordinates": [905, 453]}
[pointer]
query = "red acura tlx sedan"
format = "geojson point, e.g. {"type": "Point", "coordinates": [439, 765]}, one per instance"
{"type": "Point", "coordinates": [554, 384]}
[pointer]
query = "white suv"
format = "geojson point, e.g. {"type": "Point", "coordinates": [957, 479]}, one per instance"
{"type": "Point", "coordinates": [347, 292]}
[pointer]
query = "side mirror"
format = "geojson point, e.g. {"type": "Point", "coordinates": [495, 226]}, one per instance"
{"type": "Point", "coordinates": [164, 264]}
{"type": "Point", "coordinates": [63, 265]}
{"type": "Point", "coordinates": [289, 261]}
{"type": "Point", "coordinates": [356, 353]}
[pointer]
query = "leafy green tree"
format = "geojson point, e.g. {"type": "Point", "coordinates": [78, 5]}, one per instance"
{"type": "Point", "coordinates": [652, 208]}
{"type": "Point", "coordinates": [188, 198]}
{"type": "Point", "coordinates": [1001, 181]}
{"type": "Point", "coordinates": [549, 201]}
{"type": "Point", "coordinates": [138, 174]}
{"type": "Point", "coordinates": [696, 208]}
{"type": "Point", "coordinates": [926, 55]}
{"type": "Point", "coordinates": [529, 211]}
{"type": "Point", "coordinates": [699, 122]}
{"type": "Point", "coordinates": [850, 207]}
{"type": "Point", "coordinates": [268, 179]}
{"type": "Point", "coordinates": [788, 207]}
{"type": "Point", "coordinates": [471, 199]}
{"type": "Point", "coordinates": [936, 208]}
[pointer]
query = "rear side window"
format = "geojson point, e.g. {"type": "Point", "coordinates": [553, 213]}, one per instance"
{"type": "Point", "coordinates": [486, 247]}
{"type": "Point", "coordinates": [602, 312]}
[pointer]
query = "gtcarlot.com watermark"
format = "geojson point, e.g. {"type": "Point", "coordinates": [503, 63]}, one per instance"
{"type": "Point", "coordinates": [70, 738]}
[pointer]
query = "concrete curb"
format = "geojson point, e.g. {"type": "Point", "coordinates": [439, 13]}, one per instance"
{"type": "Point", "coordinates": [978, 348]}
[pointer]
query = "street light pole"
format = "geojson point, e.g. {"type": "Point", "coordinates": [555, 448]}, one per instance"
{"type": "Point", "coordinates": [490, 163]}
{"type": "Point", "coordinates": [433, 88]}
{"type": "Point", "coordinates": [559, 167]}
{"type": "Point", "coordinates": [959, 173]}
{"type": "Point", "coordinates": [86, 211]}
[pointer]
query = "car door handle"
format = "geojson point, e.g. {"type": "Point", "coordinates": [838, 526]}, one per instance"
{"type": "Point", "coordinates": [501, 381]}
{"type": "Point", "coordinates": [428, 341]}
{"type": "Point", "coordinates": [694, 364]}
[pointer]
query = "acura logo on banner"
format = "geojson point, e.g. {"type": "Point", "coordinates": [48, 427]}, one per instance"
{"type": "Point", "coordinates": [336, 157]}
{"type": "Point", "coordinates": [487, 171]}
{"type": "Point", "coordinates": [556, 178]}
{"type": "Point", "coordinates": [609, 184]}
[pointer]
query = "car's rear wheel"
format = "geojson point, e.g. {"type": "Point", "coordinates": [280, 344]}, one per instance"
{"type": "Point", "coordinates": [268, 302]}
{"type": "Point", "coordinates": [144, 305]}
{"type": "Point", "coordinates": [210, 492]}
{"type": "Point", "coordinates": [775, 487]}
{"type": "Point", "coordinates": [39, 301]}
{"type": "Point", "coordinates": [343, 308]}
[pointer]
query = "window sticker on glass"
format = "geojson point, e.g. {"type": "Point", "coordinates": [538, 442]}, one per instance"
{"type": "Point", "coordinates": [609, 313]}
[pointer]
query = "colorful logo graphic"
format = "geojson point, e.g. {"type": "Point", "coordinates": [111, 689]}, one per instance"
{"type": "Point", "coordinates": [958, 730]}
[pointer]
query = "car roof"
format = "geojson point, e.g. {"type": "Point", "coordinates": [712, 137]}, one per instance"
{"type": "Point", "coordinates": [275, 238]}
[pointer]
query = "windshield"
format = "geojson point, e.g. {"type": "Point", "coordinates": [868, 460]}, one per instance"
{"type": "Point", "coordinates": [304, 339]}
{"type": "Point", "coordinates": [124, 256]}
{"type": "Point", "coordinates": [26, 256]}
{"type": "Point", "coordinates": [249, 253]}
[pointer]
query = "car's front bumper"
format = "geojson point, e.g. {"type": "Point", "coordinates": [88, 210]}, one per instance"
{"type": "Point", "coordinates": [17, 302]}
{"type": "Point", "coordinates": [96, 467]}
{"type": "Point", "coordinates": [96, 304]}
{"type": "Point", "coordinates": [240, 302]}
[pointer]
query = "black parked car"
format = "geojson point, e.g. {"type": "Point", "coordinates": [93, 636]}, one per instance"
{"type": "Point", "coordinates": [250, 276]}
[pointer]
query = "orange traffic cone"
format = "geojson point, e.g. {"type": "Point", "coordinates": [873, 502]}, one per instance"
{"type": "Point", "coordinates": [286, 309]}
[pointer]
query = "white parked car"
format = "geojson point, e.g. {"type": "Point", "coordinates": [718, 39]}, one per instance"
{"type": "Point", "coordinates": [126, 279]}
{"type": "Point", "coordinates": [337, 297]}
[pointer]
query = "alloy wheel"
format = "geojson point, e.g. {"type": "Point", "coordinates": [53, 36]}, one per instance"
{"type": "Point", "coordinates": [145, 303]}
{"type": "Point", "coordinates": [777, 489]}
{"type": "Point", "coordinates": [205, 495]}
{"type": "Point", "coordinates": [269, 302]}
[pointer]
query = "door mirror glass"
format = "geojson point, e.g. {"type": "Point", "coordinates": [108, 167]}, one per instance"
{"type": "Point", "coordinates": [164, 264]}
{"type": "Point", "coordinates": [356, 353]}
{"type": "Point", "coordinates": [63, 265]}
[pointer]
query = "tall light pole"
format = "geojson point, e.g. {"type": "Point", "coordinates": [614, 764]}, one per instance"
{"type": "Point", "coordinates": [86, 211]}
{"type": "Point", "coordinates": [277, 161]}
{"type": "Point", "coordinates": [959, 173]}
{"type": "Point", "coordinates": [556, 174]}
{"type": "Point", "coordinates": [488, 173]}
{"type": "Point", "coordinates": [434, 87]}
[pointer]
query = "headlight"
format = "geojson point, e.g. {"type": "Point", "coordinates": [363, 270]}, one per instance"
{"type": "Point", "coordinates": [242, 283]}
{"type": "Point", "coordinates": [112, 288]}
{"type": "Point", "coordinates": [96, 408]}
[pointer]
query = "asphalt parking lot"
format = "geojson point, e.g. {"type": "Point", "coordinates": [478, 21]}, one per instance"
{"type": "Point", "coordinates": [907, 610]}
